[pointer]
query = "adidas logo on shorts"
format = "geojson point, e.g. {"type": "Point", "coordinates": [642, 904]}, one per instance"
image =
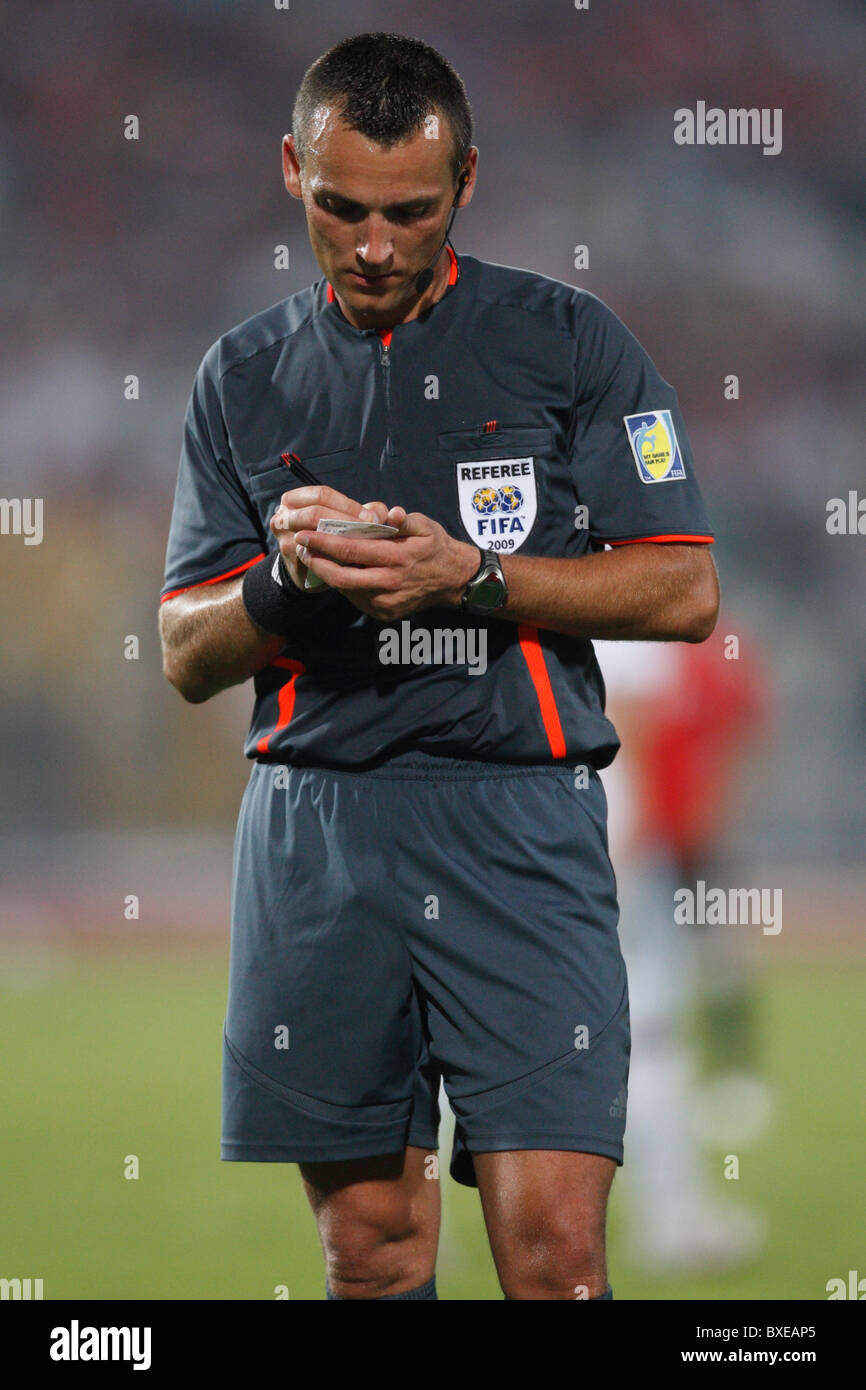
{"type": "Point", "coordinates": [617, 1109]}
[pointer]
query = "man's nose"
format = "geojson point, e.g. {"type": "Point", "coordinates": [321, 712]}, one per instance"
{"type": "Point", "coordinates": [375, 247]}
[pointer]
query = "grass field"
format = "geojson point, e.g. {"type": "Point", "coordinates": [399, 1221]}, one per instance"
{"type": "Point", "coordinates": [106, 1055]}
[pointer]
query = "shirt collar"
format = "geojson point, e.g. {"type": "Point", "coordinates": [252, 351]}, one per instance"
{"type": "Point", "coordinates": [453, 275]}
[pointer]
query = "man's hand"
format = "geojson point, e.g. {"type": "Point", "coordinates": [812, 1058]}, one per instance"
{"type": "Point", "coordinates": [422, 567]}
{"type": "Point", "coordinates": [300, 510]}
{"type": "Point", "coordinates": [644, 592]}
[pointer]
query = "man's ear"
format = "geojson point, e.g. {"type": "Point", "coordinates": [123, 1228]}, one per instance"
{"type": "Point", "coordinates": [468, 176]}
{"type": "Point", "coordinates": [291, 167]}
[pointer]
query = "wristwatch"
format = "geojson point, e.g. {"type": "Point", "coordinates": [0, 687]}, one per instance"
{"type": "Point", "coordinates": [486, 590]}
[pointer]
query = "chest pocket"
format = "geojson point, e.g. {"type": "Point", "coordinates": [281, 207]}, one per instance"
{"type": "Point", "coordinates": [528, 438]}
{"type": "Point", "coordinates": [275, 477]}
{"type": "Point", "coordinates": [500, 482]}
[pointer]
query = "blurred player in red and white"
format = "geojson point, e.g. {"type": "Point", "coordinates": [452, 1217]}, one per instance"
{"type": "Point", "coordinates": [688, 717]}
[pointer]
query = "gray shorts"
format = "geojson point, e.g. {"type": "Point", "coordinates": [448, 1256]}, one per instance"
{"type": "Point", "coordinates": [432, 917]}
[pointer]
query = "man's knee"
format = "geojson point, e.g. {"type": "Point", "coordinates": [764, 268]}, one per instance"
{"type": "Point", "coordinates": [377, 1243]}
{"type": "Point", "coordinates": [552, 1258]}
{"type": "Point", "coordinates": [545, 1212]}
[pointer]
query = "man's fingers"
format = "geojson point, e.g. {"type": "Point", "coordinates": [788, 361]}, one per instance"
{"type": "Point", "coordinates": [379, 510]}
{"type": "Point", "coordinates": [413, 523]}
{"type": "Point", "coordinates": [292, 515]}
{"type": "Point", "coordinates": [292, 518]}
{"type": "Point", "coordinates": [302, 507]}
{"type": "Point", "coordinates": [346, 550]}
{"type": "Point", "coordinates": [337, 576]}
{"type": "Point", "coordinates": [324, 496]}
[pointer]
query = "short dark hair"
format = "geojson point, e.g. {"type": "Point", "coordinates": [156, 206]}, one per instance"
{"type": "Point", "coordinates": [386, 86]}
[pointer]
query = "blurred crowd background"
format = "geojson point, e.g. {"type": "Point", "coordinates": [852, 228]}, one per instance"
{"type": "Point", "coordinates": [132, 256]}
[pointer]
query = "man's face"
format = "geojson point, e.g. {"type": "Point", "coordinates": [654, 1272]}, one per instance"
{"type": "Point", "coordinates": [375, 217]}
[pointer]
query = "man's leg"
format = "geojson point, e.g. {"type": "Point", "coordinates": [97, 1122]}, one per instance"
{"type": "Point", "coordinates": [545, 1215]}
{"type": "Point", "coordinates": [378, 1221]}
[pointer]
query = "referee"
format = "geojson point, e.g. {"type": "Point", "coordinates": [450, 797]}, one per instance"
{"type": "Point", "coordinates": [421, 883]}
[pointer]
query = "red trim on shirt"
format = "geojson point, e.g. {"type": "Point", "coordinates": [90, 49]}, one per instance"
{"type": "Point", "coordinates": [638, 540]}
{"type": "Point", "coordinates": [216, 579]}
{"type": "Point", "coordinates": [453, 274]}
{"type": "Point", "coordinates": [534, 657]}
{"type": "Point", "coordinates": [285, 699]}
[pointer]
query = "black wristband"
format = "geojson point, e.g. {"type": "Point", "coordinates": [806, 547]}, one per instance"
{"type": "Point", "coordinates": [272, 600]}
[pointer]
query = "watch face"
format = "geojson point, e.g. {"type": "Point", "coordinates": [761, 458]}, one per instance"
{"type": "Point", "coordinates": [489, 594]}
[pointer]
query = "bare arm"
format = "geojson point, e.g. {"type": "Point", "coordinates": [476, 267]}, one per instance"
{"type": "Point", "coordinates": [209, 641]}
{"type": "Point", "coordinates": [645, 592]}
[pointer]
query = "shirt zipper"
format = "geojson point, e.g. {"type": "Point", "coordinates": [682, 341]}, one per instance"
{"type": "Point", "coordinates": [385, 359]}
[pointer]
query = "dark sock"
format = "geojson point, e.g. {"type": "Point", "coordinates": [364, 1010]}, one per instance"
{"type": "Point", "coordinates": [597, 1299]}
{"type": "Point", "coordinates": [424, 1291]}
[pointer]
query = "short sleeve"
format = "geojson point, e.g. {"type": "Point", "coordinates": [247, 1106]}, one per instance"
{"type": "Point", "coordinates": [631, 460]}
{"type": "Point", "coordinates": [214, 533]}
